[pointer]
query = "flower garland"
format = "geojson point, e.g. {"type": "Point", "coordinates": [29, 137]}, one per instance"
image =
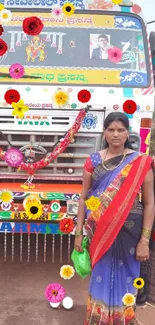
{"type": "Point", "coordinates": [31, 168]}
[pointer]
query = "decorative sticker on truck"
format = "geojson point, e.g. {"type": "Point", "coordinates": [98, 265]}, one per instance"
{"type": "Point", "coordinates": [59, 55]}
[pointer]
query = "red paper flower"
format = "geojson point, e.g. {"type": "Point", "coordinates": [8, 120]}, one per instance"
{"type": "Point", "coordinates": [12, 96]}
{"type": "Point", "coordinates": [115, 55]}
{"type": "Point", "coordinates": [3, 47]}
{"type": "Point", "coordinates": [84, 96]}
{"type": "Point", "coordinates": [129, 107]}
{"type": "Point", "coordinates": [66, 225]}
{"type": "Point", "coordinates": [1, 30]}
{"type": "Point", "coordinates": [32, 26]}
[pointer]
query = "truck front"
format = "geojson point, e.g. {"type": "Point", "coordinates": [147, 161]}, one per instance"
{"type": "Point", "coordinates": [96, 56]}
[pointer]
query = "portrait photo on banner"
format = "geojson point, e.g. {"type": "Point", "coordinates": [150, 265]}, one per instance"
{"type": "Point", "coordinates": [99, 46]}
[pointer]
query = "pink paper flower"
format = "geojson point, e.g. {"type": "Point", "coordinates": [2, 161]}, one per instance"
{"type": "Point", "coordinates": [16, 71]}
{"type": "Point", "coordinates": [115, 55]}
{"type": "Point", "coordinates": [55, 292]}
{"type": "Point", "coordinates": [13, 157]}
{"type": "Point", "coordinates": [57, 12]}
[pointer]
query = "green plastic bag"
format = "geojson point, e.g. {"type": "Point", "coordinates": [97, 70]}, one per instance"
{"type": "Point", "coordinates": [81, 260]}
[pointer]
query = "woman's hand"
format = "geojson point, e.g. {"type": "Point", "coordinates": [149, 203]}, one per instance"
{"type": "Point", "coordinates": [142, 251]}
{"type": "Point", "coordinates": [78, 243]}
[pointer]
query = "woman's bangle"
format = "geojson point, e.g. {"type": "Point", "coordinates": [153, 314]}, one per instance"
{"type": "Point", "coordinates": [78, 232]}
{"type": "Point", "coordinates": [146, 233]}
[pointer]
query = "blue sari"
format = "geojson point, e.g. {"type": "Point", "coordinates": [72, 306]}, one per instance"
{"type": "Point", "coordinates": [114, 274]}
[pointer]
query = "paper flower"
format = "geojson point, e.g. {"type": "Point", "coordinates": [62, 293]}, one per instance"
{"type": "Point", "coordinates": [57, 12]}
{"type": "Point", "coordinates": [55, 292]}
{"type": "Point", "coordinates": [125, 171]}
{"type": "Point", "coordinates": [93, 203]}
{"type": "Point", "coordinates": [1, 30]}
{"type": "Point", "coordinates": [61, 98]}
{"type": "Point", "coordinates": [136, 9]}
{"type": "Point", "coordinates": [6, 196]}
{"type": "Point", "coordinates": [115, 55]}
{"type": "Point", "coordinates": [84, 96]}
{"type": "Point", "coordinates": [3, 47]}
{"type": "Point", "coordinates": [1, 7]}
{"type": "Point", "coordinates": [19, 109]}
{"type": "Point", "coordinates": [67, 272]}
{"type": "Point", "coordinates": [128, 299]}
{"type": "Point", "coordinates": [68, 9]}
{"type": "Point", "coordinates": [117, 2]}
{"type": "Point", "coordinates": [16, 71]}
{"type": "Point", "coordinates": [32, 26]}
{"type": "Point", "coordinates": [33, 209]}
{"type": "Point", "coordinates": [5, 16]}
{"type": "Point", "coordinates": [12, 96]}
{"type": "Point", "coordinates": [66, 225]}
{"type": "Point", "coordinates": [129, 107]}
{"type": "Point", "coordinates": [139, 283]}
{"type": "Point", "coordinates": [13, 157]}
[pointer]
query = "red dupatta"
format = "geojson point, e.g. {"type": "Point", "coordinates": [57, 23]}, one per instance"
{"type": "Point", "coordinates": [112, 220]}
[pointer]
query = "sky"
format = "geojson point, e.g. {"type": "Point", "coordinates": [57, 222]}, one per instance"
{"type": "Point", "coordinates": [148, 7]}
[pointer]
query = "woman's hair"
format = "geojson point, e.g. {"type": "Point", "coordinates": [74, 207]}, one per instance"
{"type": "Point", "coordinates": [118, 117]}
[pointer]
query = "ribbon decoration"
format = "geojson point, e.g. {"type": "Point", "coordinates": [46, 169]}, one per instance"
{"type": "Point", "coordinates": [60, 147]}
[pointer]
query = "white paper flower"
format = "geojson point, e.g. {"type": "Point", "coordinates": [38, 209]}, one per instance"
{"type": "Point", "coordinates": [5, 16]}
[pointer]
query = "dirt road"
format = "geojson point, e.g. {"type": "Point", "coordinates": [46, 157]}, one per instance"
{"type": "Point", "coordinates": [22, 287]}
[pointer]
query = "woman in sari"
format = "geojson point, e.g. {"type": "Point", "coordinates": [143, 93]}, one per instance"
{"type": "Point", "coordinates": [118, 203]}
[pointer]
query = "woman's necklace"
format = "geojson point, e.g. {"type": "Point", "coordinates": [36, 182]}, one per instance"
{"type": "Point", "coordinates": [113, 168]}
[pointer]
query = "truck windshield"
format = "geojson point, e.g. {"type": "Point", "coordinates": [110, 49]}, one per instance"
{"type": "Point", "coordinates": [90, 48]}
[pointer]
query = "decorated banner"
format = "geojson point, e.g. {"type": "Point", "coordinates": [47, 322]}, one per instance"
{"type": "Point", "coordinates": [82, 49]}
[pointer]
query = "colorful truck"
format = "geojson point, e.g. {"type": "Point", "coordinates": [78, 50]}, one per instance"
{"type": "Point", "coordinates": [82, 65]}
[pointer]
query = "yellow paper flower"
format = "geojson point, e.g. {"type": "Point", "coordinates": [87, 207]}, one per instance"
{"type": "Point", "coordinates": [61, 98]}
{"type": "Point", "coordinates": [5, 15]}
{"type": "Point", "coordinates": [6, 196]}
{"type": "Point", "coordinates": [125, 171]}
{"type": "Point", "coordinates": [68, 9]}
{"type": "Point", "coordinates": [93, 203]}
{"type": "Point", "coordinates": [19, 109]}
{"type": "Point", "coordinates": [128, 299]}
{"type": "Point", "coordinates": [117, 2]}
{"type": "Point", "coordinates": [33, 209]}
{"type": "Point", "coordinates": [1, 7]}
{"type": "Point", "coordinates": [139, 283]}
{"type": "Point", "coordinates": [67, 272]}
